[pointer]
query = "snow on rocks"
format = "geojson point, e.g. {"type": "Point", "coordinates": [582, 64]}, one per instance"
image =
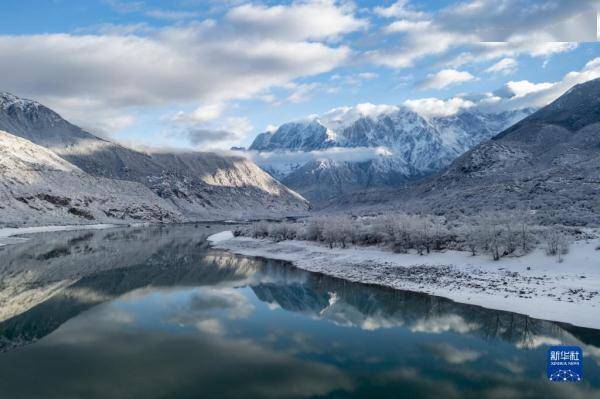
{"type": "Point", "coordinates": [219, 237]}
{"type": "Point", "coordinates": [535, 284]}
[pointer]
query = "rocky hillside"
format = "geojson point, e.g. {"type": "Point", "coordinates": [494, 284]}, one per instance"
{"type": "Point", "coordinates": [548, 163]}
{"type": "Point", "coordinates": [404, 146]}
{"type": "Point", "coordinates": [39, 187]}
{"type": "Point", "coordinates": [198, 185]}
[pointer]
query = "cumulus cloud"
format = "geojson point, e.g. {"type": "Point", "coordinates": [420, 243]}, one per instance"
{"type": "Point", "coordinates": [513, 95]}
{"type": "Point", "coordinates": [434, 107]}
{"type": "Point", "coordinates": [202, 114]}
{"type": "Point", "coordinates": [505, 66]}
{"type": "Point", "coordinates": [519, 94]}
{"type": "Point", "coordinates": [312, 20]}
{"type": "Point", "coordinates": [522, 88]}
{"type": "Point", "coordinates": [200, 137]}
{"type": "Point", "coordinates": [564, 21]}
{"type": "Point", "coordinates": [338, 118]}
{"type": "Point", "coordinates": [405, 25]}
{"type": "Point", "coordinates": [445, 78]}
{"type": "Point", "coordinates": [207, 128]}
{"type": "Point", "coordinates": [250, 49]}
{"type": "Point", "coordinates": [399, 9]}
{"type": "Point", "coordinates": [485, 30]}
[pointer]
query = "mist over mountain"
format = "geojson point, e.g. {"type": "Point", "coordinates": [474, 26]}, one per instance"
{"type": "Point", "coordinates": [402, 146]}
{"type": "Point", "coordinates": [184, 186]}
{"type": "Point", "coordinates": [548, 163]}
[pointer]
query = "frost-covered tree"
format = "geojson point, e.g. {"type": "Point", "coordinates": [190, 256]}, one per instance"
{"type": "Point", "coordinates": [557, 243]}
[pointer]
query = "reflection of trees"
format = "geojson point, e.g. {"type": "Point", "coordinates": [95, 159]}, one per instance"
{"type": "Point", "coordinates": [110, 263]}
{"type": "Point", "coordinates": [396, 307]}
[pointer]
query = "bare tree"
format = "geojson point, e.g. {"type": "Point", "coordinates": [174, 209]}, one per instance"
{"type": "Point", "coordinates": [557, 243]}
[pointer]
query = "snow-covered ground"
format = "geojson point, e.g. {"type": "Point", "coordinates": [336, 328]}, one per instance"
{"type": "Point", "coordinates": [7, 235]}
{"type": "Point", "coordinates": [535, 284]}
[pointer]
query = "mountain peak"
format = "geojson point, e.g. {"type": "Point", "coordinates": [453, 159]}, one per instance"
{"type": "Point", "coordinates": [576, 108]}
{"type": "Point", "coordinates": [8, 100]}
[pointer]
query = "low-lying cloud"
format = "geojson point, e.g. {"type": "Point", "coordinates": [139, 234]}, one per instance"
{"type": "Point", "coordinates": [280, 159]}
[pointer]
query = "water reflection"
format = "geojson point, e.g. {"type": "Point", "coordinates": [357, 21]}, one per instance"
{"type": "Point", "coordinates": [155, 313]}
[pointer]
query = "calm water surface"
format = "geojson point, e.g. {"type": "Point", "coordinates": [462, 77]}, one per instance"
{"type": "Point", "coordinates": [155, 313]}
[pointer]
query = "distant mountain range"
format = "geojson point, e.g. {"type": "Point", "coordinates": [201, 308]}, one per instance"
{"type": "Point", "coordinates": [52, 171]}
{"type": "Point", "coordinates": [365, 157]}
{"type": "Point", "coordinates": [396, 145]}
{"type": "Point", "coordinates": [548, 164]}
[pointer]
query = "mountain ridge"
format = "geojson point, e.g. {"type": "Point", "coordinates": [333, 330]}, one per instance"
{"type": "Point", "coordinates": [199, 185]}
{"type": "Point", "coordinates": [415, 146]}
{"type": "Point", "coordinates": [547, 164]}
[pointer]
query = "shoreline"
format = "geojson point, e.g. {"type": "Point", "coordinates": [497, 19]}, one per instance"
{"type": "Point", "coordinates": [565, 292]}
{"type": "Point", "coordinates": [9, 235]}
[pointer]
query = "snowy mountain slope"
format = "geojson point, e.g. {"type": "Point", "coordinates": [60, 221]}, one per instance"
{"type": "Point", "coordinates": [416, 146]}
{"type": "Point", "coordinates": [323, 180]}
{"type": "Point", "coordinates": [200, 185]}
{"type": "Point", "coordinates": [205, 185]}
{"type": "Point", "coordinates": [39, 187]}
{"type": "Point", "coordinates": [548, 163]}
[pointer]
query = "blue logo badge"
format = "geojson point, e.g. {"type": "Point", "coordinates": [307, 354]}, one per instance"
{"type": "Point", "coordinates": [565, 363]}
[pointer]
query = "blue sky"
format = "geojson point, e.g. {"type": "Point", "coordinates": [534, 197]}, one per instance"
{"type": "Point", "coordinates": [211, 74]}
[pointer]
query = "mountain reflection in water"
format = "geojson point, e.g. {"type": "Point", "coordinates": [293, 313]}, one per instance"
{"type": "Point", "coordinates": [153, 312]}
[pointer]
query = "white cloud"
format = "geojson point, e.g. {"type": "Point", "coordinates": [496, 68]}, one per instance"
{"type": "Point", "coordinates": [367, 75]}
{"type": "Point", "coordinates": [340, 117]}
{"type": "Point", "coordinates": [485, 30]}
{"type": "Point", "coordinates": [202, 114]}
{"type": "Point", "coordinates": [445, 78]}
{"type": "Point", "coordinates": [279, 159]}
{"type": "Point", "coordinates": [405, 25]}
{"type": "Point", "coordinates": [271, 128]}
{"type": "Point", "coordinates": [505, 66]}
{"type": "Point", "coordinates": [311, 20]}
{"type": "Point", "coordinates": [417, 45]}
{"type": "Point", "coordinates": [527, 94]}
{"type": "Point", "coordinates": [400, 9]}
{"type": "Point", "coordinates": [513, 95]}
{"type": "Point", "coordinates": [523, 87]}
{"type": "Point", "coordinates": [170, 15]}
{"type": "Point", "coordinates": [491, 21]}
{"type": "Point", "coordinates": [433, 107]}
{"type": "Point", "coordinates": [238, 124]}
{"type": "Point", "coordinates": [250, 49]}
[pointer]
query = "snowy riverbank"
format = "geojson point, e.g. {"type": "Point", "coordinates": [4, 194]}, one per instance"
{"type": "Point", "coordinates": [566, 292]}
{"type": "Point", "coordinates": [9, 235]}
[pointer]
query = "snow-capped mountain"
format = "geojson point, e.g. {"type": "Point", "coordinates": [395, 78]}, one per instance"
{"type": "Point", "coordinates": [39, 187]}
{"type": "Point", "coordinates": [547, 164]}
{"type": "Point", "coordinates": [197, 185]}
{"type": "Point", "coordinates": [416, 145]}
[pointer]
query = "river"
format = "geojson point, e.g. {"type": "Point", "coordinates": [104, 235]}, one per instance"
{"type": "Point", "coordinates": [154, 312]}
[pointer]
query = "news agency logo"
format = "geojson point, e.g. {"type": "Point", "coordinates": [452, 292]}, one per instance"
{"type": "Point", "coordinates": [565, 364]}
